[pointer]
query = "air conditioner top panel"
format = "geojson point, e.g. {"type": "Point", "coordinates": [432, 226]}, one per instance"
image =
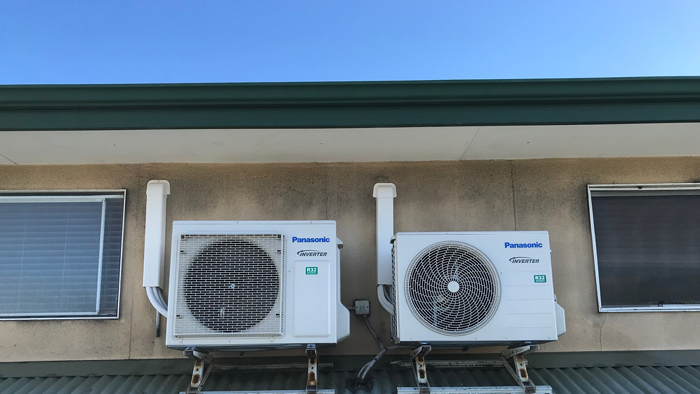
{"type": "Point", "coordinates": [471, 232]}
{"type": "Point", "coordinates": [248, 222]}
{"type": "Point", "coordinates": [292, 227]}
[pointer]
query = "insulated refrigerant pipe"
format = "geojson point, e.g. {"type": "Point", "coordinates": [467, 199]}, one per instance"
{"type": "Point", "coordinates": [384, 193]}
{"type": "Point", "coordinates": [154, 247]}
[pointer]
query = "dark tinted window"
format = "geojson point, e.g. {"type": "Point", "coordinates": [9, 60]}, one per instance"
{"type": "Point", "coordinates": [648, 247]}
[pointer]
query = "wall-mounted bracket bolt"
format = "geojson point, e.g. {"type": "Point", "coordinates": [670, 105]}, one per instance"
{"type": "Point", "coordinates": [420, 370]}
{"type": "Point", "coordinates": [514, 361]}
{"type": "Point", "coordinates": [203, 363]}
{"type": "Point", "coordinates": [312, 369]}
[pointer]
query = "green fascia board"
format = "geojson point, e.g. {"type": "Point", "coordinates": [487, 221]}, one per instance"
{"type": "Point", "coordinates": [350, 104]}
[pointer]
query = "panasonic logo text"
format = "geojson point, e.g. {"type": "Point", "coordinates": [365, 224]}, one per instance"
{"type": "Point", "coordinates": [523, 260]}
{"type": "Point", "coordinates": [526, 246]}
{"type": "Point", "coordinates": [310, 240]}
{"type": "Point", "coordinates": [312, 253]}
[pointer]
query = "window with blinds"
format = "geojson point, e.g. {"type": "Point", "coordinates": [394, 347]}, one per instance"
{"type": "Point", "coordinates": [646, 243]}
{"type": "Point", "coordinates": [60, 255]}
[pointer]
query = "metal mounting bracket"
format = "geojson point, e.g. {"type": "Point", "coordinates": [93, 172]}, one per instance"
{"type": "Point", "coordinates": [514, 361]}
{"type": "Point", "coordinates": [312, 369]}
{"type": "Point", "coordinates": [420, 370]}
{"type": "Point", "coordinates": [203, 363]}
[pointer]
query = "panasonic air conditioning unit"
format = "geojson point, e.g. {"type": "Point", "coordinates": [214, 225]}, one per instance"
{"type": "Point", "coordinates": [474, 288]}
{"type": "Point", "coordinates": [255, 285]}
{"type": "Point", "coordinates": [465, 288]}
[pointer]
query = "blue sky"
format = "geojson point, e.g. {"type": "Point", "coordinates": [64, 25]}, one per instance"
{"type": "Point", "coordinates": [67, 42]}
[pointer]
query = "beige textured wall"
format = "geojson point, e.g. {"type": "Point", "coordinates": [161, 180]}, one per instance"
{"type": "Point", "coordinates": [450, 196]}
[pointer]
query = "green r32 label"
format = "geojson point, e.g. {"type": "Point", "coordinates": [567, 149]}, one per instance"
{"type": "Point", "coordinates": [538, 278]}
{"type": "Point", "coordinates": [311, 270]}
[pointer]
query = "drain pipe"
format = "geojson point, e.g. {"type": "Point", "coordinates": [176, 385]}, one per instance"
{"type": "Point", "coordinates": [154, 248]}
{"type": "Point", "coordinates": [384, 193]}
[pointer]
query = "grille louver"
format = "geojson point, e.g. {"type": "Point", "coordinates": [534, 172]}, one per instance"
{"type": "Point", "coordinates": [452, 288]}
{"type": "Point", "coordinates": [230, 285]}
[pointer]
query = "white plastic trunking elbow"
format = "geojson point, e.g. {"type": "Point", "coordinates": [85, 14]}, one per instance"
{"type": "Point", "coordinates": [154, 247]}
{"type": "Point", "coordinates": [384, 193]}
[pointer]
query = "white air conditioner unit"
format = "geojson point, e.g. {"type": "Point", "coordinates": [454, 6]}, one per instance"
{"type": "Point", "coordinates": [255, 285]}
{"type": "Point", "coordinates": [474, 288]}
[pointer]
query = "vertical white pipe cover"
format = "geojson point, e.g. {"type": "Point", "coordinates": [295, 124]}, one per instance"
{"type": "Point", "coordinates": [154, 248]}
{"type": "Point", "coordinates": [385, 194]}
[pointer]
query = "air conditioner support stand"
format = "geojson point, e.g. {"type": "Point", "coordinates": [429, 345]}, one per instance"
{"type": "Point", "coordinates": [203, 363]}
{"type": "Point", "coordinates": [311, 370]}
{"type": "Point", "coordinates": [514, 361]}
{"type": "Point", "coordinates": [420, 370]}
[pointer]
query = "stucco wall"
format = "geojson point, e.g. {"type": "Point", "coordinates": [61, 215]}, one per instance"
{"type": "Point", "coordinates": [432, 196]}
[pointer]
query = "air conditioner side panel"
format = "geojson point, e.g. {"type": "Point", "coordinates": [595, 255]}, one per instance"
{"type": "Point", "coordinates": [312, 299]}
{"type": "Point", "coordinates": [527, 310]}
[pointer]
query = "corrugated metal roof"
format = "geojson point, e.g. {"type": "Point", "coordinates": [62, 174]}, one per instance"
{"type": "Point", "coordinates": [590, 380]}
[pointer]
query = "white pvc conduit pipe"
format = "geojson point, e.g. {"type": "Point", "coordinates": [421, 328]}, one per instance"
{"type": "Point", "coordinates": [154, 247]}
{"type": "Point", "coordinates": [156, 300]}
{"type": "Point", "coordinates": [384, 193]}
{"type": "Point", "coordinates": [383, 300]}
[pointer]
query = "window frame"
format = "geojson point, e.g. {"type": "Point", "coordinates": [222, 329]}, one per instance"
{"type": "Point", "coordinates": [647, 188]}
{"type": "Point", "coordinates": [88, 195]}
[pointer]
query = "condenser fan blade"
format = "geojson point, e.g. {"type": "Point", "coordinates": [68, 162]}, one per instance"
{"type": "Point", "coordinates": [452, 288]}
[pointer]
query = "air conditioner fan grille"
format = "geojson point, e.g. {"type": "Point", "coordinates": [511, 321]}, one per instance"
{"type": "Point", "coordinates": [452, 288]}
{"type": "Point", "coordinates": [230, 285]}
